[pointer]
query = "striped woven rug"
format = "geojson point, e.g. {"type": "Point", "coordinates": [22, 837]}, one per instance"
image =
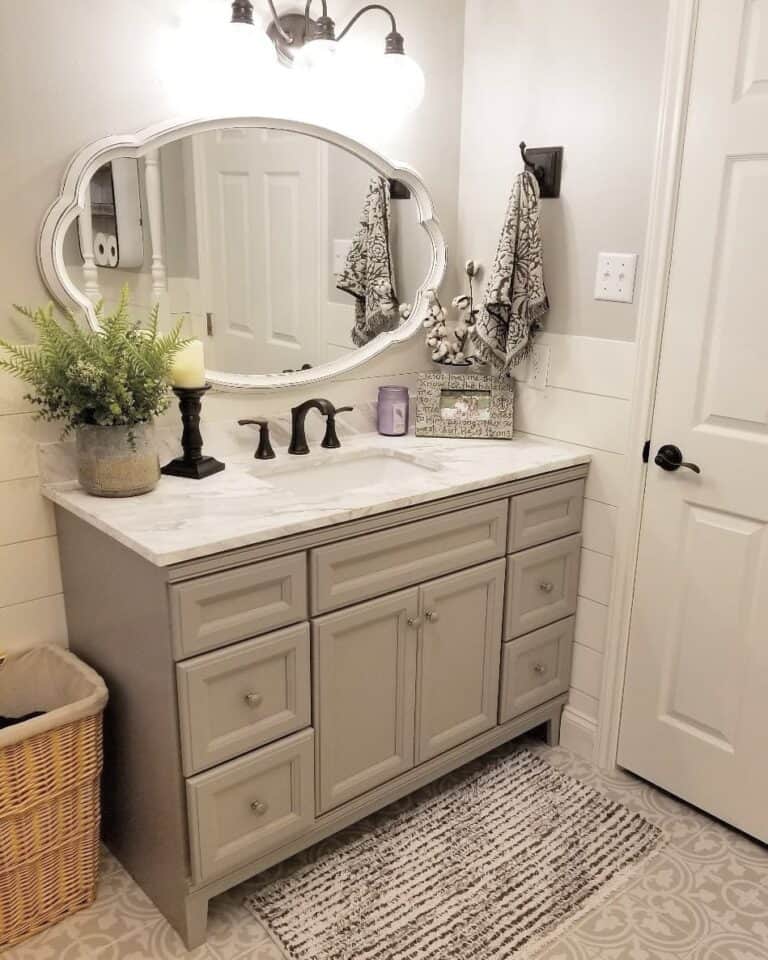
{"type": "Point", "coordinates": [486, 864]}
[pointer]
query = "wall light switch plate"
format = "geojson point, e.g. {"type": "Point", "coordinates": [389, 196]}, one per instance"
{"type": "Point", "coordinates": [538, 366]}
{"type": "Point", "coordinates": [341, 249]}
{"type": "Point", "coordinates": [615, 278]}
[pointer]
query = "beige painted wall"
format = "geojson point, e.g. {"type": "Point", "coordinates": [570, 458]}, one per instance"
{"type": "Point", "coordinates": [76, 71]}
{"type": "Point", "coordinates": [585, 76]}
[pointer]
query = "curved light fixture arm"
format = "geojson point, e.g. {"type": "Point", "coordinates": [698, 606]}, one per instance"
{"type": "Point", "coordinates": [309, 7]}
{"type": "Point", "coordinates": [284, 35]}
{"type": "Point", "coordinates": [366, 9]}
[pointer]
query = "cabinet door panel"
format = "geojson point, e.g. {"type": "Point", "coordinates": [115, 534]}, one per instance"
{"type": "Point", "coordinates": [459, 658]}
{"type": "Point", "coordinates": [364, 676]}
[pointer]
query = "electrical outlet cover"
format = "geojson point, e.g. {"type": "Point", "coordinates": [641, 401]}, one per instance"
{"type": "Point", "coordinates": [615, 278]}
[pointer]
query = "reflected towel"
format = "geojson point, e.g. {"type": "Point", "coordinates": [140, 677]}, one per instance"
{"type": "Point", "coordinates": [369, 272]}
{"type": "Point", "coordinates": [515, 298]}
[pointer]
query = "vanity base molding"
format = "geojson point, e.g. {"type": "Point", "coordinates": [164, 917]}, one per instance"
{"type": "Point", "coordinates": [264, 698]}
{"type": "Point", "coordinates": [196, 903]}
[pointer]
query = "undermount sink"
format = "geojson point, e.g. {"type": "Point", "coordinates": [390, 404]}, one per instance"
{"type": "Point", "coordinates": [329, 471]}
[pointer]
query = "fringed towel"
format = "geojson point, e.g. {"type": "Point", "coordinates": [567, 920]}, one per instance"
{"type": "Point", "coordinates": [369, 272]}
{"type": "Point", "coordinates": [515, 299]}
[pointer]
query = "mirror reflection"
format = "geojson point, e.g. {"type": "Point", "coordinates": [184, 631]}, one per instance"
{"type": "Point", "coordinates": [281, 251]}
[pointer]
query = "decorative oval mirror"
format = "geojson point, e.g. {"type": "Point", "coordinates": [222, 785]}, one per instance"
{"type": "Point", "coordinates": [290, 251]}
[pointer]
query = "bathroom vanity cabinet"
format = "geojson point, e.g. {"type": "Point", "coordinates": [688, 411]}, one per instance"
{"type": "Point", "coordinates": [265, 697]}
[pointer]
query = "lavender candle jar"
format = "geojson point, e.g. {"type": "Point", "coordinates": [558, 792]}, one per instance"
{"type": "Point", "coordinates": [393, 411]}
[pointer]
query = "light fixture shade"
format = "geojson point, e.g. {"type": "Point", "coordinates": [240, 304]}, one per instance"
{"type": "Point", "coordinates": [236, 57]}
{"type": "Point", "coordinates": [246, 52]}
{"type": "Point", "coordinates": [317, 55]}
{"type": "Point", "coordinates": [401, 80]}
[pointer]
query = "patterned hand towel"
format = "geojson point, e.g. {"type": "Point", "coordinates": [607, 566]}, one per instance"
{"type": "Point", "coordinates": [515, 298]}
{"type": "Point", "coordinates": [369, 272]}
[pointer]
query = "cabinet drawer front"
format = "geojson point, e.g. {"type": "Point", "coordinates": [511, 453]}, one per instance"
{"type": "Point", "coordinates": [226, 607]}
{"type": "Point", "coordinates": [237, 699]}
{"type": "Point", "coordinates": [245, 808]}
{"type": "Point", "coordinates": [364, 677]}
{"type": "Point", "coordinates": [541, 586]}
{"type": "Point", "coordinates": [544, 515]}
{"type": "Point", "coordinates": [535, 668]}
{"type": "Point", "coordinates": [375, 564]}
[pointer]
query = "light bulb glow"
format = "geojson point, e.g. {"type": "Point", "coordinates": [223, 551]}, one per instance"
{"type": "Point", "coordinates": [238, 58]}
{"type": "Point", "coordinates": [318, 55]}
{"type": "Point", "coordinates": [399, 79]}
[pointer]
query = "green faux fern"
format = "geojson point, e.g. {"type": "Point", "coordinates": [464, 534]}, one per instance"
{"type": "Point", "coordinates": [118, 376]}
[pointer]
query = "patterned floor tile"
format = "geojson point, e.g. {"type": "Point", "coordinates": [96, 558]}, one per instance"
{"type": "Point", "coordinates": [704, 897]}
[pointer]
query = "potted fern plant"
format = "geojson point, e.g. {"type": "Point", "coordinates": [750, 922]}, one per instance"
{"type": "Point", "coordinates": [106, 385]}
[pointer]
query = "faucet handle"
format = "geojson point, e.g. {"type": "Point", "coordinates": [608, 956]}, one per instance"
{"type": "Point", "coordinates": [331, 440]}
{"type": "Point", "coordinates": [264, 451]}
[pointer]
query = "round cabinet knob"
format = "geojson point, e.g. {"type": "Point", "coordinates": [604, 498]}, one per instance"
{"type": "Point", "coordinates": [259, 808]}
{"type": "Point", "coordinates": [414, 622]}
{"type": "Point", "coordinates": [546, 587]}
{"type": "Point", "coordinates": [433, 616]}
{"type": "Point", "coordinates": [539, 668]}
{"type": "Point", "coordinates": [253, 699]}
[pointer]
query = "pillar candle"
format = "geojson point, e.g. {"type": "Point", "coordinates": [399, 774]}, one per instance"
{"type": "Point", "coordinates": [188, 368]}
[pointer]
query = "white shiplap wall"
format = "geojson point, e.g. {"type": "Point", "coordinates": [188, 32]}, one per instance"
{"type": "Point", "coordinates": [31, 605]}
{"type": "Point", "coordinates": [587, 404]}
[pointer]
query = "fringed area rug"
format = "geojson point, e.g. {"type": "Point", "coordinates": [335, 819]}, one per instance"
{"type": "Point", "coordinates": [488, 865]}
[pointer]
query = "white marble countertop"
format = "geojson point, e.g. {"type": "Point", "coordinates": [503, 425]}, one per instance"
{"type": "Point", "coordinates": [249, 502]}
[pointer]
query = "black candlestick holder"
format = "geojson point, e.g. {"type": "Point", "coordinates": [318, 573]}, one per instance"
{"type": "Point", "coordinates": [193, 464]}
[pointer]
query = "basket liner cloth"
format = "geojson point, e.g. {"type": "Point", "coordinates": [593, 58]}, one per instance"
{"type": "Point", "coordinates": [50, 679]}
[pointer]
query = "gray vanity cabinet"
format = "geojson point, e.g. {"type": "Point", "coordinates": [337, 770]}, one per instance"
{"type": "Point", "coordinates": [264, 698]}
{"type": "Point", "coordinates": [458, 665]}
{"type": "Point", "coordinates": [364, 675]}
{"type": "Point", "coordinates": [430, 653]}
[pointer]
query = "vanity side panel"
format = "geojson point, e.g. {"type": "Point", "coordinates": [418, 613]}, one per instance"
{"type": "Point", "coordinates": [119, 623]}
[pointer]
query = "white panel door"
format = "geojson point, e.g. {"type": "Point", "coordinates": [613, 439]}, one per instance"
{"type": "Point", "coordinates": [259, 208]}
{"type": "Point", "coordinates": [695, 714]}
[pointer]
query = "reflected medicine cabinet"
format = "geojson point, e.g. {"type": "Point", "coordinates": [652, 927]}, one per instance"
{"type": "Point", "coordinates": [110, 233]}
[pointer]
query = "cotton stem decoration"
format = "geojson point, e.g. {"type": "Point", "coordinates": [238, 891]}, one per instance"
{"type": "Point", "coordinates": [453, 348]}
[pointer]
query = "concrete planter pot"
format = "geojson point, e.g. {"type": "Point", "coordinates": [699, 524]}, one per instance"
{"type": "Point", "coordinates": [108, 465]}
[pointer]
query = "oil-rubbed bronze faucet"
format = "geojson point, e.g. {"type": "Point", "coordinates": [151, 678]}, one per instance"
{"type": "Point", "coordinates": [299, 446]}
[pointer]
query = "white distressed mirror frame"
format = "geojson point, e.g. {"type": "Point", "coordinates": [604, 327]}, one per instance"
{"type": "Point", "coordinates": [73, 198]}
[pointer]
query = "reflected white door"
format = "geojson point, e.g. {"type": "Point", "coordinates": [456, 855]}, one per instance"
{"type": "Point", "coordinates": [695, 713]}
{"type": "Point", "coordinates": [260, 216]}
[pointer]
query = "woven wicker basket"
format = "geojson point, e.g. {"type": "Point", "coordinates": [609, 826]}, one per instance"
{"type": "Point", "coordinates": [49, 791]}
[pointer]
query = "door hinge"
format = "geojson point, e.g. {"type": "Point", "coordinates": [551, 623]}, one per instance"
{"type": "Point", "coordinates": [646, 451]}
{"type": "Point", "coordinates": [209, 324]}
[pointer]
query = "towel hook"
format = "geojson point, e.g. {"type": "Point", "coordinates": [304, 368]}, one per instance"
{"type": "Point", "coordinates": [538, 172]}
{"type": "Point", "coordinates": [546, 164]}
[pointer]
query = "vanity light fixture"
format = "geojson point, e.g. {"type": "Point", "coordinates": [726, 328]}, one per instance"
{"type": "Point", "coordinates": [313, 44]}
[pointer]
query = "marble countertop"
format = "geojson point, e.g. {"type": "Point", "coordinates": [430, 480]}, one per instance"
{"type": "Point", "coordinates": [250, 502]}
